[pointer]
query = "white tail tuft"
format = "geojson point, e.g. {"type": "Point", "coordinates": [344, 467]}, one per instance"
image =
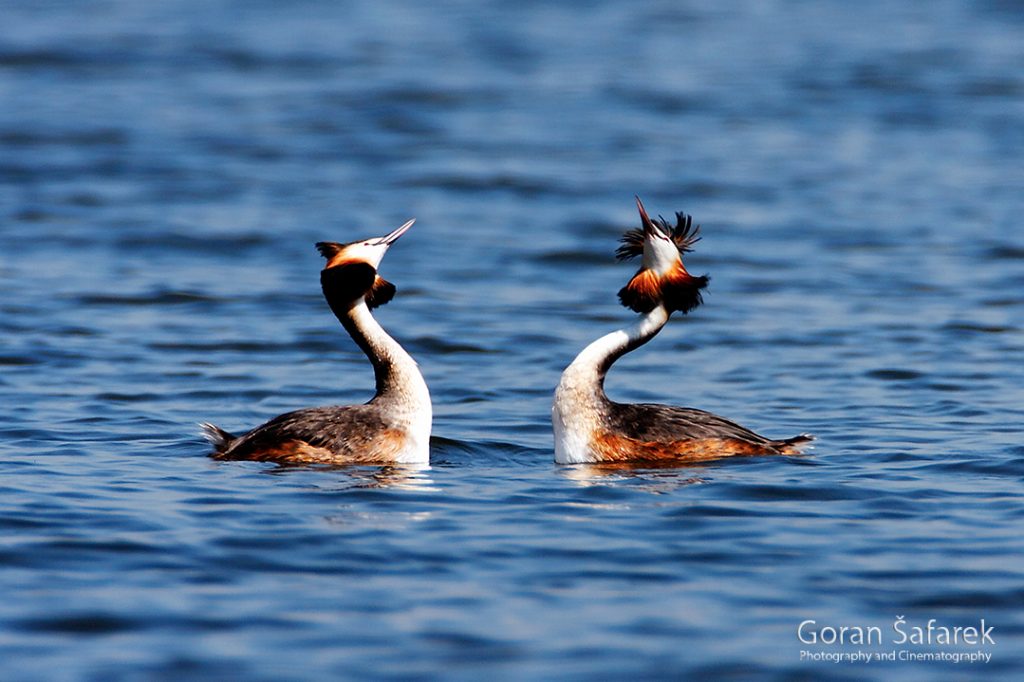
{"type": "Point", "coordinates": [218, 437]}
{"type": "Point", "coordinates": [800, 444]}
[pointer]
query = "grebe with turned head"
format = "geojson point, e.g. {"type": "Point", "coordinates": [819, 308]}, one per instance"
{"type": "Point", "coordinates": [394, 426]}
{"type": "Point", "coordinates": [591, 428]}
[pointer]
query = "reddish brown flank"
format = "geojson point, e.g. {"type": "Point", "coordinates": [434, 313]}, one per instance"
{"type": "Point", "coordinates": [387, 444]}
{"type": "Point", "coordinates": [285, 451]}
{"type": "Point", "coordinates": [611, 447]}
{"type": "Point", "coordinates": [376, 448]}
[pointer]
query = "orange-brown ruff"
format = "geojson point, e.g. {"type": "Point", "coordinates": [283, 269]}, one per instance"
{"type": "Point", "coordinates": [394, 426]}
{"type": "Point", "coordinates": [591, 428]}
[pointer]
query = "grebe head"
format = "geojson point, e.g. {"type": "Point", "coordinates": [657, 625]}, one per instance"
{"type": "Point", "coordinates": [662, 277]}
{"type": "Point", "coordinates": [350, 274]}
{"type": "Point", "coordinates": [370, 250]}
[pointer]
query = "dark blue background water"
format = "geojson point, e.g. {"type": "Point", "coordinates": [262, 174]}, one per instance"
{"type": "Point", "coordinates": [166, 167]}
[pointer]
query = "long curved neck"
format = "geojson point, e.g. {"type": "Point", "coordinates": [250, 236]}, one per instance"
{"type": "Point", "coordinates": [397, 376]}
{"type": "Point", "coordinates": [585, 376]}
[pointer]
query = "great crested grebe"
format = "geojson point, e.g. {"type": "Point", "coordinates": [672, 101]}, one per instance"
{"type": "Point", "coordinates": [394, 426]}
{"type": "Point", "coordinates": [591, 428]}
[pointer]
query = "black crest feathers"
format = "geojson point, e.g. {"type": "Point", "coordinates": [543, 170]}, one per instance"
{"type": "Point", "coordinates": [684, 294]}
{"type": "Point", "coordinates": [685, 234]}
{"type": "Point", "coordinates": [380, 293]}
{"type": "Point", "coordinates": [637, 297]}
{"type": "Point", "coordinates": [329, 249]}
{"type": "Point", "coordinates": [677, 290]}
{"type": "Point", "coordinates": [345, 282]}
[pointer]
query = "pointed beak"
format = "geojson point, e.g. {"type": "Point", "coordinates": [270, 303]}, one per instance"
{"type": "Point", "coordinates": [391, 238]}
{"type": "Point", "coordinates": [649, 229]}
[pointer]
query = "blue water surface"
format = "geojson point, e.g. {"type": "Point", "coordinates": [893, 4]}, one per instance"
{"type": "Point", "coordinates": [165, 169]}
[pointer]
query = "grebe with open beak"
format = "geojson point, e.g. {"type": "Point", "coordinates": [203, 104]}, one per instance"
{"type": "Point", "coordinates": [394, 426]}
{"type": "Point", "coordinates": [591, 428]}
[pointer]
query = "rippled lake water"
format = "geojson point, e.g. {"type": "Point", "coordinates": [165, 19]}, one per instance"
{"type": "Point", "coordinates": [165, 169]}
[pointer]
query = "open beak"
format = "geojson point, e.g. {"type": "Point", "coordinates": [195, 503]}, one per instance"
{"type": "Point", "coordinates": [649, 229]}
{"type": "Point", "coordinates": [388, 240]}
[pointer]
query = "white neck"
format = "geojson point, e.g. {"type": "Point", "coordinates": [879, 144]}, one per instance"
{"type": "Point", "coordinates": [401, 391]}
{"type": "Point", "coordinates": [580, 400]}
